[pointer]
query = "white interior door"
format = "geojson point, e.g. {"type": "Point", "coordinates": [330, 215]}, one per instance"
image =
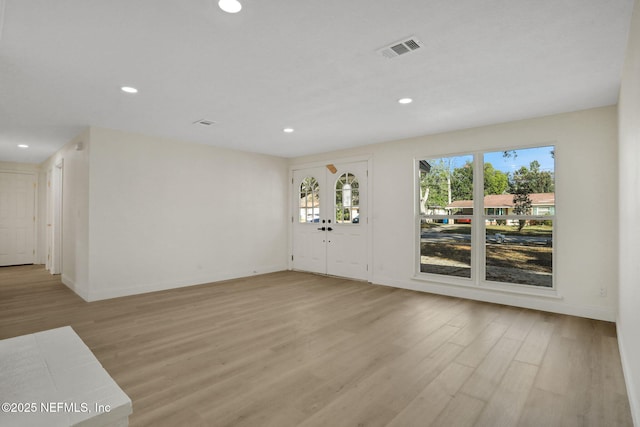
{"type": "Point", "coordinates": [17, 218]}
{"type": "Point", "coordinates": [330, 220]}
{"type": "Point", "coordinates": [49, 217]}
{"type": "Point", "coordinates": [54, 219]}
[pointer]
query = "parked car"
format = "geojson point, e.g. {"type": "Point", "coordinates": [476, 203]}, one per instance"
{"type": "Point", "coordinates": [462, 220]}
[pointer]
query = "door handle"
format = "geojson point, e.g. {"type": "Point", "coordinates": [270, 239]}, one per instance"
{"type": "Point", "coordinates": [329, 228]}
{"type": "Point", "coordinates": [322, 228]}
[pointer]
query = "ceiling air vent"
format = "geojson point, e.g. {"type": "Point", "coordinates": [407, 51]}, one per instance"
{"type": "Point", "coordinates": [400, 48]}
{"type": "Point", "coordinates": [204, 122]}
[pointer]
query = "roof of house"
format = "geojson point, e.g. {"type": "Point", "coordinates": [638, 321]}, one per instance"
{"type": "Point", "coordinates": [506, 201]}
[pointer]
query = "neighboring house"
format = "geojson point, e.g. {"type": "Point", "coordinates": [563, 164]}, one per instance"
{"type": "Point", "coordinates": [436, 210]}
{"type": "Point", "coordinates": [502, 204]}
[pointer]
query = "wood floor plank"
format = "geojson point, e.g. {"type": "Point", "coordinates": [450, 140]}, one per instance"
{"type": "Point", "coordinates": [472, 321]}
{"type": "Point", "coordinates": [543, 408]}
{"type": "Point", "coordinates": [616, 404]}
{"type": "Point", "coordinates": [522, 324]}
{"type": "Point", "coordinates": [489, 373]}
{"type": "Point", "coordinates": [556, 366]}
{"type": "Point", "coordinates": [395, 382]}
{"type": "Point", "coordinates": [507, 403]}
{"type": "Point", "coordinates": [462, 411]}
{"type": "Point", "coordinates": [475, 352]}
{"type": "Point", "coordinates": [431, 401]}
{"type": "Point", "coordinates": [291, 348]}
{"type": "Point", "coordinates": [592, 399]}
{"type": "Point", "coordinates": [535, 344]}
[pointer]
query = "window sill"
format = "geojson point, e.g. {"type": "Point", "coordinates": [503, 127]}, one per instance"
{"type": "Point", "coordinates": [514, 288]}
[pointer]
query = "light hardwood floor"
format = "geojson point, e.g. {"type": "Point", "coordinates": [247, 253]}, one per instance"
{"type": "Point", "coordinates": [295, 349]}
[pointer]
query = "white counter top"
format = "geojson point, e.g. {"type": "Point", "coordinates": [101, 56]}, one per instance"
{"type": "Point", "coordinates": [51, 378]}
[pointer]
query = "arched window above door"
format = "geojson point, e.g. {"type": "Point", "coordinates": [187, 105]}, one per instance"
{"type": "Point", "coordinates": [347, 199]}
{"type": "Point", "coordinates": [309, 200]}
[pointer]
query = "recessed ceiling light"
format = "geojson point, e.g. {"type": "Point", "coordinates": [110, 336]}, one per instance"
{"type": "Point", "coordinates": [287, 130]}
{"type": "Point", "coordinates": [23, 146]}
{"type": "Point", "coordinates": [230, 6]}
{"type": "Point", "coordinates": [129, 89]}
{"type": "Point", "coordinates": [405, 101]}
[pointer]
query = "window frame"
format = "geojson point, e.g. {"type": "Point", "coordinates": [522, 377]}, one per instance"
{"type": "Point", "coordinates": [420, 216]}
{"type": "Point", "coordinates": [478, 229]}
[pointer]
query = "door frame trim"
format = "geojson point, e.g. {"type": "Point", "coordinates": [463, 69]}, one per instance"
{"type": "Point", "coordinates": [369, 226]}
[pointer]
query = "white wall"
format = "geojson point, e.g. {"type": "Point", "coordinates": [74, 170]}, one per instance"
{"type": "Point", "coordinates": [75, 212]}
{"type": "Point", "coordinates": [165, 214]}
{"type": "Point", "coordinates": [19, 167]}
{"type": "Point", "coordinates": [629, 217]}
{"type": "Point", "coordinates": [586, 181]}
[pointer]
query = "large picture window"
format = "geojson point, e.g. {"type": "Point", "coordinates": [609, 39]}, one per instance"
{"type": "Point", "coordinates": [488, 217]}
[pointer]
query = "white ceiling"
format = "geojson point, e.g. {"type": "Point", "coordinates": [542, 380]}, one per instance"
{"type": "Point", "coordinates": [310, 65]}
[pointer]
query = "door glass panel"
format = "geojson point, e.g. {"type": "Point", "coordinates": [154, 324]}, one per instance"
{"type": "Point", "coordinates": [347, 194]}
{"type": "Point", "coordinates": [309, 200]}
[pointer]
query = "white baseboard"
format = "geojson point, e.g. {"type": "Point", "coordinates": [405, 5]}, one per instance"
{"type": "Point", "coordinates": [532, 302]}
{"type": "Point", "coordinates": [71, 284]}
{"type": "Point", "coordinates": [501, 297]}
{"type": "Point", "coordinates": [102, 294]}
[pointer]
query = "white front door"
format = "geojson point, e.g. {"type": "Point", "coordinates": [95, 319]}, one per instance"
{"type": "Point", "coordinates": [330, 220]}
{"type": "Point", "coordinates": [17, 218]}
{"type": "Point", "coordinates": [309, 220]}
